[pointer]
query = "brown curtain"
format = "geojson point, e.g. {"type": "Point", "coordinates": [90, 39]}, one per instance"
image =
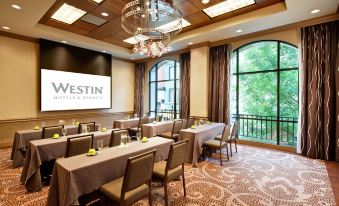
{"type": "Point", "coordinates": [139, 87]}
{"type": "Point", "coordinates": [218, 84]}
{"type": "Point", "coordinates": [319, 103]}
{"type": "Point", "coordinates": [185, 64]}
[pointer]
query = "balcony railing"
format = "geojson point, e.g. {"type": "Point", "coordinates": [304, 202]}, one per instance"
{"type": "Point", "coordinates": [167, 114]}
{"type": "Point", "coordinates": [265, 129]}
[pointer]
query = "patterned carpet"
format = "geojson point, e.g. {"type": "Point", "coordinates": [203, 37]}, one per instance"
{"type": "Point", "coordinates": [253, 176]}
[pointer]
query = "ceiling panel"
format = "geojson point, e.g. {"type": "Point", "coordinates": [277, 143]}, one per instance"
{"type": "Point", "coordinates": [112, 31]}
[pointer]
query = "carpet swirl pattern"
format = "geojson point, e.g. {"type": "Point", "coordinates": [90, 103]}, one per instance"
{"type": "Point", "coordinates": [253, 176]}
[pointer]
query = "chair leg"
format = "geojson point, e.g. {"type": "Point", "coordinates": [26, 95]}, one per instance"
{"type": "Point", "coordinates": [150, 194]}
{"type": "Point", "coordinates": [231, 147]}
{"type": "Point", "coordinates": [220, 157]}
{"type": "Point", "coordinates": [235, 142]}
{"type": "Point", "coordinates": [183, 183]}
{"type": "Point", "coordinates": [227, 152]}
{"type": "Point", "coordinates": [165, 192]}
{"type": "Point", "coordinates": [204, 153]}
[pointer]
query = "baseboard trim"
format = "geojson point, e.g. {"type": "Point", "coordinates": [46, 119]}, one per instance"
{"type": "Point", "coordinates": [269, 146]}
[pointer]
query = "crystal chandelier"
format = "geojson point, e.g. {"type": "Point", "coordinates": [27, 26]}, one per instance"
{"type": "Point", "coordinates": [152, 23]}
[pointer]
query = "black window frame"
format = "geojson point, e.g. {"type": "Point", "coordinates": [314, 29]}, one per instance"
{"type": "Point", "coordinates": [176, 80]}
{"type": "Point", "coordinates": [278, 71]}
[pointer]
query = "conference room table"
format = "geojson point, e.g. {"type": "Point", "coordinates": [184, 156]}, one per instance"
{"type": "Point", "coordinates": [154, 129]}
{"type": "Point", "coordinates": [43, 150]}
{"type": "Point", "coordinates": [75, 176]}
{"type": "Point", "coordinates": [128, 123]}
{"type": "Point", "coordinates": [196, 137]}
{"type": "Point", "coordinates": [23, 137]}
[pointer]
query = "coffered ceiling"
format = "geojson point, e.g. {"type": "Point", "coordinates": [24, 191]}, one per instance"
{"type": "Point", "coordinates": [112, 32]}
{"type": "Point", "coordinates": [33, 20]}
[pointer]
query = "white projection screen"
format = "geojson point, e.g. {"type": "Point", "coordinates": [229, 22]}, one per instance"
{"type": "Point", "coordinates": [73, 91]}
{"type": "Point", "coordinates": [73, 78]}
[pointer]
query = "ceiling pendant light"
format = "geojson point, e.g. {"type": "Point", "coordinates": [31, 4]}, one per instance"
{"type": "Point", "coordinates": [151, 23]}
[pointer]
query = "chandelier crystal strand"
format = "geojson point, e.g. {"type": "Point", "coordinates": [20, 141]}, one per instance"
{"type": "Point", "coordinates": [152, 23]}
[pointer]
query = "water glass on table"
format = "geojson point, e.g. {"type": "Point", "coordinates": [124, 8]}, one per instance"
{"type": "Point", "coordinates": [64, 131]}
{"type": "Point", "coordinates": [99, 127]}
{"type": "Point", "coordinates": [100, 144]}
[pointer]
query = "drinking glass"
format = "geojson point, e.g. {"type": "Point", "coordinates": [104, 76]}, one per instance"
{"type": "Point", "coordinates": [100, 144]}
{"type": "Point", "coordinates": [84, 129]}
{"type": "Point", "coordinates": [138, 136]}
{"type": "Point", "coordinates": [43, 124]}
{"type": "Point", "coordinates": [99, 127]}
{"type": "Point", "coordinates": [64, 131]}
{"type": "Point", "coordinates": [73, 121]}
{"type": "Point", "coordinates": [123, 140]}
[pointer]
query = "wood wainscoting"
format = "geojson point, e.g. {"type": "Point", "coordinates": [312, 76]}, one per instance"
{"type": "Point", "coordinates": [9, 127]}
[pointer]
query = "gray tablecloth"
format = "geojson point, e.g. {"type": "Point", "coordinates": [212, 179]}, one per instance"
{"type": "Point", "coordinates": [79, 175]}
{"type": "Point", "coordinates": [151, 130]}
{"type": "Point", "coordinates": [128, 123]}
{"type": "Point", "coordinates": [23, 137]}
{"type": "Point", "coordinates": [45, 150]}
{"type": "Point", "coordinates": [196, 137]}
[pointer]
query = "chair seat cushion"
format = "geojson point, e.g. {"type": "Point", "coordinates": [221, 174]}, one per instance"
{"type": "Point", "coordinates": [218, 137]}
{"type": "Point", "coordinates": [134, 129]}
{"type": "Point", "coordinates": [214, 143]}
{"type": "Point", "coordinates": [159, 171]}
{"type": "Point", "coordinates": [113, 191]}
{"type": "Point", "coordinates": [168, 135]}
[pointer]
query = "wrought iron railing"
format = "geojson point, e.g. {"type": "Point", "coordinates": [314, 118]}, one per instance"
{"type": "Point", "coordinates": [268, 128]}
{"type": "Point", "coordinates": [167, 114]}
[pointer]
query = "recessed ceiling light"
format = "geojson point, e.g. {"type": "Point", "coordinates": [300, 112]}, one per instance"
{"type": "Point", "coordinates": [190, 43]}
{"type": "Point", "coordinates": [239, 31]}
{"type": "Point", "coordinates": [104, 51]}
{"type": "Point", "coordinates": [315, 11]}
{"type": "Point", "coordinates": [205, 1]}
{"type": "Point", "coordinates": [227, 6]}
{"type": "Point", "coordinates": [172, 26]}
{"type": "Point", "coordinates": [136, 39]}
{"type": "Point", "coordinates": [97, 1]}
{"type": "Point", "coordinates": [68, 14]}
{"type": "Point", "coordinates": [6, 28]}
{"type": "Point", "coordinates": [104, 14]}
{"type": "Point", "coordinates": [15, 6]}
{"type": "Point", "coordinates": [65, 42]}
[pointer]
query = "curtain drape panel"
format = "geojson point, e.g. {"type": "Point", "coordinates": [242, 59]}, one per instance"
{"type": "Point", "coordinates": [319, 103]}
{"type": "Point", "coordinates": [218, 84]}
{"type": "Point", "coordinates": [139, 87]}
{"type": "Point", "coordinates": [185, 66]}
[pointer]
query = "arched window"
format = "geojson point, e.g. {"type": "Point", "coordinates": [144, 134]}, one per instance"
{"type": "Point", "coordinates": [265, 92]}
{"type": "Point", "coordinates": [164, 89]}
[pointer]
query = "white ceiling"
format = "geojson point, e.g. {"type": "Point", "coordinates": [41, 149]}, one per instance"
{"type": "Point", "coordinates": [25, 22]}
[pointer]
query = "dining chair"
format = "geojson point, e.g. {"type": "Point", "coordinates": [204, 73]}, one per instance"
{"type": "Point", "coordinates": [116, 137]}
{"type": "Point", "coordinates": [233, 137]}
{"type": "Point", "coordinates": [189, 122]}
{"type": "Point", "coordinates": [175, 133]}
{"type": "Point", "coordinates": [214, 144]}
{"type": "Point", "coordinates": [135, 184]}
{"type": "Point", "coordinates": [91, 126]}
{"type": "Point", "coordinates": [158, 118]}
{"type": "Point", "coordinates": [173, 167]}
{"type": "Point", "coordinates": [48, 132]}
{"type": "Point", "coordinates": [78, 145]}
{"type": "Point", "coordinates": [134, 130]}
